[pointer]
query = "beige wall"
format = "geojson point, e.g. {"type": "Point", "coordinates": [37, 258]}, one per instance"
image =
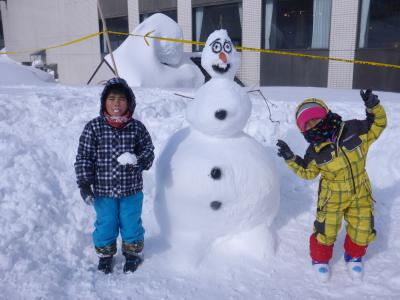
{"type": "Point", "coordinates": [249, 72]}
{"type": "Point", "coordinates": [342, 42]}
{"type": "Point", "coordinates": [133, 14]}
{"type": "Point", "coordinates": [185, 21]}
{"type": "Point", "coordinates": [36, 24]}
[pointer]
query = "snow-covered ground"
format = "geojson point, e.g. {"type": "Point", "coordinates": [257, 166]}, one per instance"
{"type": "Point", "coordinates": [46, 249]}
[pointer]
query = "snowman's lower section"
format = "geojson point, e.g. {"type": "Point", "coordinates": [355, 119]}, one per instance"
{"type": "Point", "coordinates": [188, 249]}
{"type": "Point", "coordinates": [216, 195]}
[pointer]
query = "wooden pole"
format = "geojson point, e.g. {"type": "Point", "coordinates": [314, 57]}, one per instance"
{"type": "Point", "coordinates": [107, 37]}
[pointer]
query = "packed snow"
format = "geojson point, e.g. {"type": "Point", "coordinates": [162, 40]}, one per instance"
{"type": "Point", "coordinates": [153, 62]}
{"type": "Point", "coordinates": [127, 158]}
{"type": "Point", "coordinates": [12, 72]}
{"type": "Point", "coordinates": [45, 241]}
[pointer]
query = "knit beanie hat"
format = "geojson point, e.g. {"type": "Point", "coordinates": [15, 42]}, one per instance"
{"type": "Point", "coordinates": [308, 111]}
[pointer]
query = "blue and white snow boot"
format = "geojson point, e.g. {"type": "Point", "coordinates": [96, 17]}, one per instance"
{"type": "Point", "coordinates": [354, 266]}
{"type": "Point", "coordinates": [322, 270]}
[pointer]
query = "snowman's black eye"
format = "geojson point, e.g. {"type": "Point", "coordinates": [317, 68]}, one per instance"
{"type": "Point", "coordinates": [216, 47]}
{"type": "Point", "coordinates": [227, 47]}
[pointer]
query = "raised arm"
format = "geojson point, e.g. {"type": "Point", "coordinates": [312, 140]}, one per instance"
{"type": "Point", "coordinates": [376, 120]}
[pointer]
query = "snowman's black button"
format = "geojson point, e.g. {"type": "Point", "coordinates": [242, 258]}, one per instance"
{"type": "Point", "coordinates": [216, 173]}
{"type": "Point", "coordinates": [215, 205]}
{"type": "Point", "coordinates": [221, 114]}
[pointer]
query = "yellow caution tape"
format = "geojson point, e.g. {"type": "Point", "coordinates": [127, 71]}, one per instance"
{"type": "Point", "coordinates": [148, 35]}
{"type": "Point", "coordinates": [360, 62]}
{"type": "Point", "coordinates": [57, 46]}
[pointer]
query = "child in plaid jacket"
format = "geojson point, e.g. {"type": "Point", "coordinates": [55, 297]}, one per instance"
{"type": "Point", "coordinates": [113, 151]}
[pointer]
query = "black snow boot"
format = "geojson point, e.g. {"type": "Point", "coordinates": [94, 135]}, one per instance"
{"type": "Point", "coordinates": [105, 264]}
{"type": "Point", "coordinates": [132, 263]}
{"type": "Point", "coordinates": [132, 252]}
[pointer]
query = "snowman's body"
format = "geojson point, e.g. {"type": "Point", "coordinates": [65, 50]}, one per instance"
{"type": "Point", "coordinates": [246, 191]}
{"type": "Point", "coordinates": [217, 189]}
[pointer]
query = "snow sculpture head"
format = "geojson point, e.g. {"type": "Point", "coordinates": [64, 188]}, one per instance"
{"type": "Point", "coordinates": [221, 108]}
{"type": "Point", "coordinates": [167, 52]}
{"type": "Point", "coordinates": [219, 57]}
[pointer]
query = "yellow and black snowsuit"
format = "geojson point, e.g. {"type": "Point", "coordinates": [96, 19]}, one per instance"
{"type": "Point", "coordinates": [344, 188]}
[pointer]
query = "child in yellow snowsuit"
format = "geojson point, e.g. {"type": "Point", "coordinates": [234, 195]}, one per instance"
{"type": "Point", "coordinates": [338, 151]}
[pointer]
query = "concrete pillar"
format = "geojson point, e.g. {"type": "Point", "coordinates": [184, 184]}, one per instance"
{"type": "Point", "coordinates": [343, 39]}
{"type": "Point", "coordinates": [185, 21]}
{"type": "Point", "coordinates": [249, 71]}
{"type": "Point", "coordinates": [133, 14]}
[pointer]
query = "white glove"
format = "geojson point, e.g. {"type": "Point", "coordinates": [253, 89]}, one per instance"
{"type": "Point", "coordinates": [127, 159]}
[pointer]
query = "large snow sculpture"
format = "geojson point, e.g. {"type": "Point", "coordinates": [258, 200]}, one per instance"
{"type": "Point", "coordinates": [159, 63]}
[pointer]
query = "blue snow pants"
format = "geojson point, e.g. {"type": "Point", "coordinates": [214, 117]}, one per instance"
{"type": "Point", "coordinates": [118, 214]}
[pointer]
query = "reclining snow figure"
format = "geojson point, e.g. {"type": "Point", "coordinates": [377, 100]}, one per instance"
{"type": "Point", "coordinates": [161, 64]}
{"type": "Point", "coordinates": [217, 190]}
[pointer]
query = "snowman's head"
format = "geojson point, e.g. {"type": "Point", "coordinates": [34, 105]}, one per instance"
{"type": "Point", "coordinates": [219, 57]}
{"type": "Point", "coordinates": [221, 108]}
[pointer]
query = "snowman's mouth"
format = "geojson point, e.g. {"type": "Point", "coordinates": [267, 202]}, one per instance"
{"type": "Point", "coordinates": [221, 70]}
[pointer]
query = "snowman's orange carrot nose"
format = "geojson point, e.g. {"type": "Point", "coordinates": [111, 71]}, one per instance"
{"type": "Point", "coordinates": [222, 57]}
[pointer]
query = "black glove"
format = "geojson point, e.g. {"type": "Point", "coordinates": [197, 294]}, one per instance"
{"type": "Point", "coordinates": [284, 150]}
{"type": "Point", "coordinates": [370, 99]}
{"type": "Point", "coordinates": [87, 194]}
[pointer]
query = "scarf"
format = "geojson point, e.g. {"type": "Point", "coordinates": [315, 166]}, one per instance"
{"type": "Point", "coordinates": [118, 121]}
{"type": "Point", "coordinates": [325, 130]}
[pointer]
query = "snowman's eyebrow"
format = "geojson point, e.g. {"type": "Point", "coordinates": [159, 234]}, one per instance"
{"type": "Point", "coordinates": [216, 40]}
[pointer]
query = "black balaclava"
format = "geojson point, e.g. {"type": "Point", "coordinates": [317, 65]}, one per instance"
{"type": "Point", "coordinates": [325, 130]}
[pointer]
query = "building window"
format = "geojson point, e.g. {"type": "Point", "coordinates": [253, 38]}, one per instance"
{"type": "Point", "coordinates": [207, 19]}
{"type": "Point", "coordinates": [119, 24]}
{"type": "Point", "coordinates": [380, 24]}
{"type": "Point", "coordinates": [1, 33]}
{"type": "Point", "coordinates": [300, 24]}
{"type": "Point", "coordinates": [170, 13]}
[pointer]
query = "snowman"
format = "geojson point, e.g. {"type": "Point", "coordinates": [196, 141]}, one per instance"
{"type": "Point", "coordinates": [217, 190]}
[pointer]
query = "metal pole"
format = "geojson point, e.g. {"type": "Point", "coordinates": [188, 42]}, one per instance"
{"type": "Point", "coordinates": [107, 37]}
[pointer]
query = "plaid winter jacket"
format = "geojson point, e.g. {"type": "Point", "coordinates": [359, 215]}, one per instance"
{"type": "Point", "coordinates": [99, 147]}
{"type": "Point", "coordinates": [342, 164]}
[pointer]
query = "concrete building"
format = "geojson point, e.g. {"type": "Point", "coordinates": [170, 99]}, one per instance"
{"type": "Point", "coordinates": [349, 29]}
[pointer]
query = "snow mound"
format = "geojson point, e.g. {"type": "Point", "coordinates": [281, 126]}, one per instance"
{"type": "Point", "coordinates": [13, 73]}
